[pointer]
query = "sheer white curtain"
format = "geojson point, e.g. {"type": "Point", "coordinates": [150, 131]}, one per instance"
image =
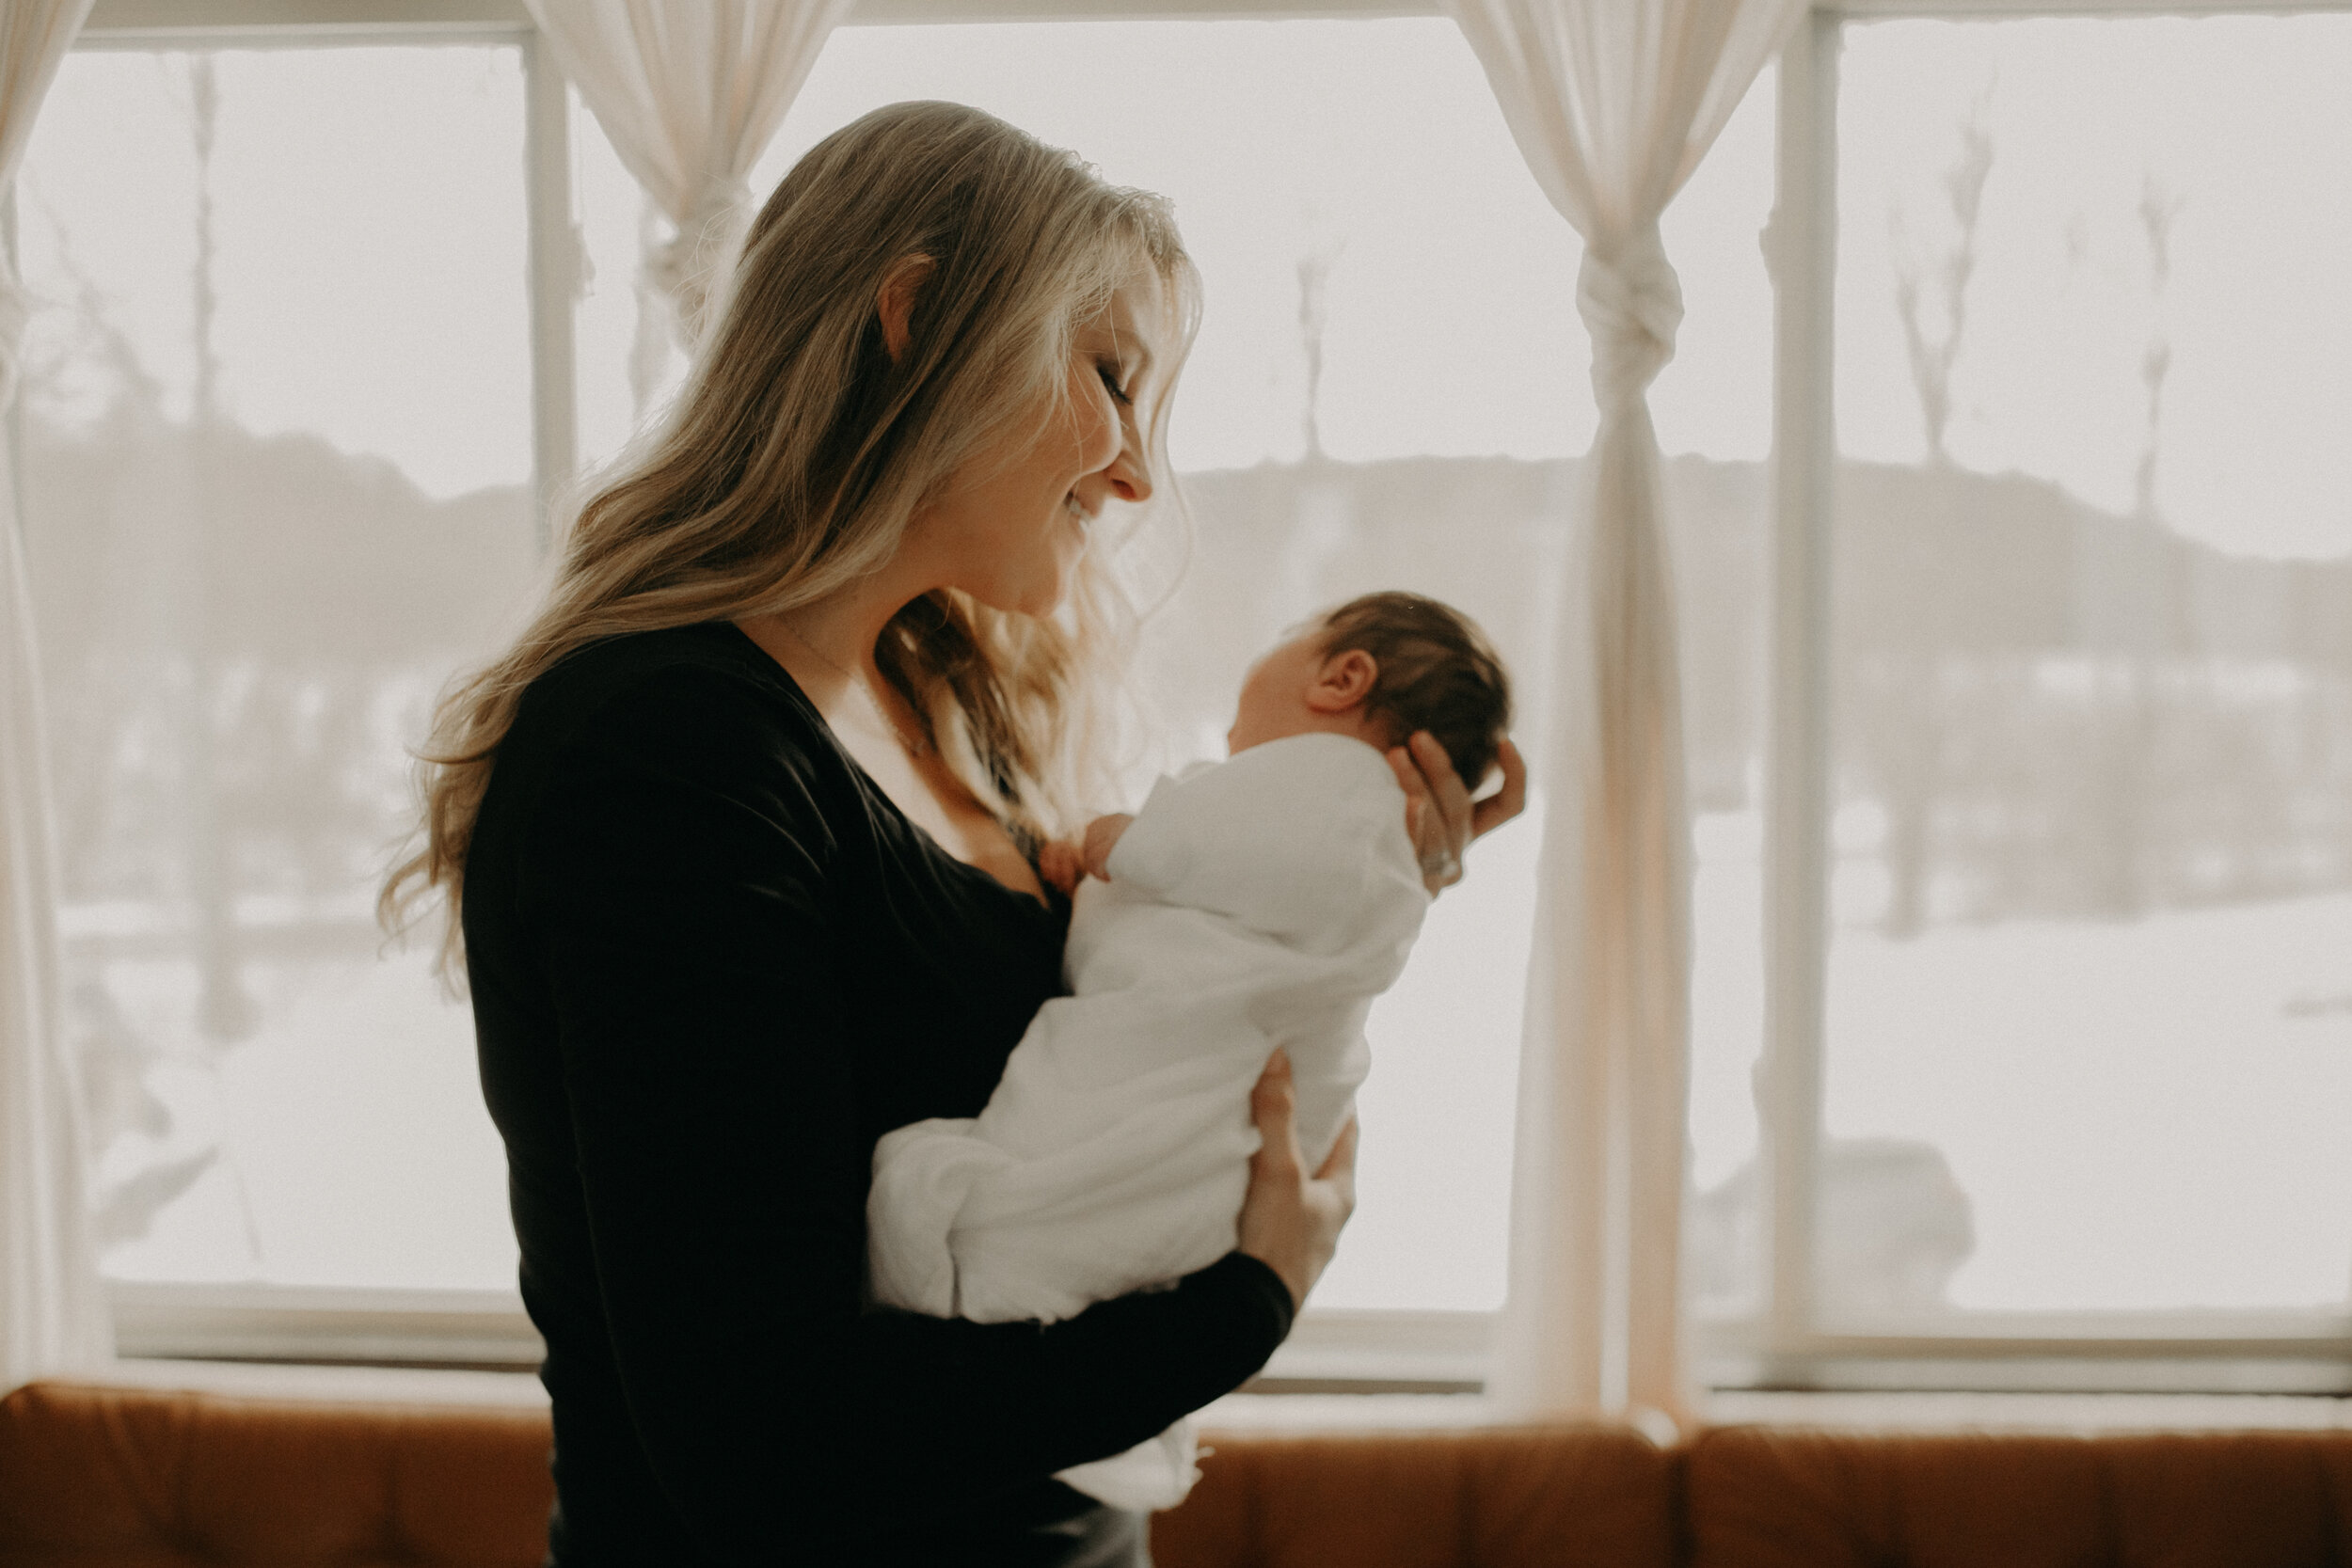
{"type": "Point", "coordinates": [1613, 103]}
{"type": "Point", "coordinates": [52, 1310]}
{"type": "Point", "coordinates": [688, 95]}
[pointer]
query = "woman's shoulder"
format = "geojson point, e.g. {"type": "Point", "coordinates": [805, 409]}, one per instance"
{"type": "Point", "coordinates": [701, 706]}
{"type": "Point", "coordinates": [650, 685]}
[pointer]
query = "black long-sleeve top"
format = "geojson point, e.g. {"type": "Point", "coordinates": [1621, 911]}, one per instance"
{"type": "Point", "coordinates": [711, 963]}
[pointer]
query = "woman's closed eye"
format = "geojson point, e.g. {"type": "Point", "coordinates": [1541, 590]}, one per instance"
{"type": "Point", "coordinates": [1109, 372]}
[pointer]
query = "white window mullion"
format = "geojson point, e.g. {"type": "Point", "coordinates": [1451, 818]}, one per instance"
{"type": "Point", "coordinates": [554, 282]}
{"type": "Point", "coordinates": [1802, 244]}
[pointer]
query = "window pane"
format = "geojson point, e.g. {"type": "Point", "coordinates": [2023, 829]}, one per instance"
{"type": "Point", "coordinates": [1714, 412]}
{"type": "Point", "coordinates": [277, 464]}
{"type": "Point", "coordinates": [2091, 979]}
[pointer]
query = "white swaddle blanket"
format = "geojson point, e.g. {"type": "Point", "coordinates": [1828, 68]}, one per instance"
{"type": "Point", "coordinates": [1252, 903]}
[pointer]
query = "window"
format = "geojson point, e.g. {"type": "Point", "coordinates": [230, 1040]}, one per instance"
{"type": "Point", "coordinates": [2050, 656]}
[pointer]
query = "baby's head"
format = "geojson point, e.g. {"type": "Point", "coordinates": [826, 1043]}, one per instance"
{"type": "Point", "coordinates": [1379, 668]}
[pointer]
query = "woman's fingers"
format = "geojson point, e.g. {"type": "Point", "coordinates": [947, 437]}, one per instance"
{"type": "Point", "coordinates": [1273, 1106]}
{"type": "Point", "coordinates": [1338, 1168]}
{"type": "Point", "coordinates": [1440, 815]}
{"type": "Point", "coordinates": [1288, 1221]}
{"type": "Point", "coordinates": [1416, 789]}
{"type": "Point", "coordinates": [1446, 787]}
{"type": "Point", "coordinates": [1437, 808]}
{"type": "Point", "coordinates": [1506, 803]}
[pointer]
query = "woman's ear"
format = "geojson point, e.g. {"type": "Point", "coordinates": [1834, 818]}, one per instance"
{"type": "Point", "coordinates": [1345, 681]}
{"type": "Point", "coordinates": [894, 302]}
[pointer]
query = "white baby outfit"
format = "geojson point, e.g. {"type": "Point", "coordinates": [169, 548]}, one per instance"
{"type": "Point", "coordinates": [1252, 903]}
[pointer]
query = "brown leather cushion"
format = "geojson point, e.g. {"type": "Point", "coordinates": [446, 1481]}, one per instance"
{"type": "Point", "coordinates": [134, 1478]}
{"type": "Point", "coordinates": [131, 1478]}
{"type": "Point", "coordinates": [1777, 1498]}
{"type": "Point", "coordinates": [1541, 1497]}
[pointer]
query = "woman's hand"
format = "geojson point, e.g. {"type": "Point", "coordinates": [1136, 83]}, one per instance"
{"type": "Point", "coordinates": [1290, 1221]}
{"type": "Point", "coordinates": [1440, 814]}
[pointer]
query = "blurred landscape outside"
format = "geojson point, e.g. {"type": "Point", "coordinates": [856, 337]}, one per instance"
{"type": "Point", "coordinates": [2090, 970]}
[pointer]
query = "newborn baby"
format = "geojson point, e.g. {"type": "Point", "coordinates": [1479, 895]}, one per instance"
{"type": "Point", "coordinates": [1254, 903]}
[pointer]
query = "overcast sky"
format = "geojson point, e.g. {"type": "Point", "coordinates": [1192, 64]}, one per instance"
{"type": "Point", "coordinates": [369, 212]}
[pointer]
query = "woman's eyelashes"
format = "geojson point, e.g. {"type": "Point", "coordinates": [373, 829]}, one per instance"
{"type": "Point", "coordinates": [1109, 372]}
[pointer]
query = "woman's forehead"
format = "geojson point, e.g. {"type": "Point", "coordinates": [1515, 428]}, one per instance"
{"type": "Point", "coordinates": [1140, 315]}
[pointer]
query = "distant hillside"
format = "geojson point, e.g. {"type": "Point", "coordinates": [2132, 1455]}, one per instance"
{"type": "Point", "coordinates": [240, 637]}
{"type": "Point", "coordinates": [294, 551]}
{"type": "Point", "coordinates": [2073, 708]}
{"type": "Point", "coordinates": [2058, 710]}
{"type": "Point", "coordinates": [1943, 563]}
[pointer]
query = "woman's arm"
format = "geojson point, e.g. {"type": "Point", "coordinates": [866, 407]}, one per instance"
{"type": "Point", "coordinates": [708, 1051]}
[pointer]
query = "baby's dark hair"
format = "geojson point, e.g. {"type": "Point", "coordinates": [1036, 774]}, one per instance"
{"type": "Point", "coordinates": [1437, 672]}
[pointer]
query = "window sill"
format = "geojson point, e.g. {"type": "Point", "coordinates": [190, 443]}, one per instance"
{"type": "Point", "coordinates": [1275, 1415]}
{"type": "Point", "coordinates": [326, 1383]}
{"type": "Point", "coordinates": [2082, 1414]}
{"type": "Point", "coordinates": [1350, 1355]}
{"type": "Point", "coordinates": [1328, 1352]}
{"type": "Point", "coordinates": [484, 1330]}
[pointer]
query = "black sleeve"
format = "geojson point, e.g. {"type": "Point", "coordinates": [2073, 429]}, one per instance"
{"type": "Point", "coordinates": [674, 873]}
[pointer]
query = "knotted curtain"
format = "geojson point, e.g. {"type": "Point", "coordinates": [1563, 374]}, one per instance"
{"type": "Point", "coordinates": [688, 95]}
{"type": "Point", "coordinates": [1613, 103]}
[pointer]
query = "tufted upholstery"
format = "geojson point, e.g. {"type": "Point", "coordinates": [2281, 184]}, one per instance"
{"type": "Point", "coordinates": [132, 1478]}
{"type": "Point", "coordinates": [123, 1478]}
{"type": "Point", "coordinates": [129, 1478]}
{"type": "Point", "coordinates": [1556, 1498]}
{"type": "Point", "coordinates": [1772, 1498]}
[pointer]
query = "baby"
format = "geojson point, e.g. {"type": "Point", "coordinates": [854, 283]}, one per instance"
{"type": "Point", "coordinates": [1259, 902]}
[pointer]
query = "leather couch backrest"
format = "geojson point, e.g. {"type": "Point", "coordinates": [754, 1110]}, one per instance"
{"type": "Point", "coordinates": [131, 1478]}
{"type": "Point", "coordinates": [1781, 1497]}
{"type": "Point", "coordinates": [1541, 1497]}
{"type": "Point", "coordinates": [104, 1476]}
{"type": "Point", "coordinates": [95, 1476]}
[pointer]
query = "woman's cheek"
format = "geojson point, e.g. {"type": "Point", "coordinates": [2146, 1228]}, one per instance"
{"type": "Point", "coordinates": [1102, 430]}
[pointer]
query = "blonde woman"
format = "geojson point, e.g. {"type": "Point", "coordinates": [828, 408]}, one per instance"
{"type": "Point", "coordinates": [741, 838]}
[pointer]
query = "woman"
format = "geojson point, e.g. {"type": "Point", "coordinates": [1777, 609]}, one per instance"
{"type": "Point", "coordinates": [744, 828]}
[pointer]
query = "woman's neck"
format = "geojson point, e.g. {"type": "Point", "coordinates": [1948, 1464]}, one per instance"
{"type": "Point", "coordinates": [829, 646]}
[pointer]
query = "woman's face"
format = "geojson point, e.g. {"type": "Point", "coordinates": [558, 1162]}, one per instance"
{"type": "Point", "coordinates": [1008, 528]}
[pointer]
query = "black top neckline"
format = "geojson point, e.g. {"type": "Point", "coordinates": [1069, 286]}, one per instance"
{"type": "Point", "coordinates": [749, 647]}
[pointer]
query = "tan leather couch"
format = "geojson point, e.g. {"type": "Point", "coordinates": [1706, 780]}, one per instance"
{"type": "Point", "coordinates": [1768, 1497]}
{"type": "Point", "coordinates": [134, 1478]}
{"type": "Point", "coordinates": [123, 1478]}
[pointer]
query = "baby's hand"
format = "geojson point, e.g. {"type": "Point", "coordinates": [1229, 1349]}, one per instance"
{"type": "Point", "coordinates": [1061, 862]}
{"type": "Point", "coordinates": [1102, 837]}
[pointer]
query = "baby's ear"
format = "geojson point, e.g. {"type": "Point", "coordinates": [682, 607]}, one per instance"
{"type": "Point", "coordinates": [1346, 679]}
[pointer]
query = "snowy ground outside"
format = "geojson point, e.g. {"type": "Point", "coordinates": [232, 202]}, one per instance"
{"type": "Point", "coordinates": [2144, 1115]}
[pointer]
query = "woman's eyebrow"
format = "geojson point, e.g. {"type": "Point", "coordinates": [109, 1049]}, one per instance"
{"type": "Point", "coordinates": [1133, 349]}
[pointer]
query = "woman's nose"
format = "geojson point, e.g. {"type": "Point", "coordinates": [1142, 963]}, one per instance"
{"type": "Point", "coordinates": [1130, 474]}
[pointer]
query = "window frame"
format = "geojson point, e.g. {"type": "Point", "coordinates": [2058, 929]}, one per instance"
{"type": "Point", "coordinates": [1783, 1345]}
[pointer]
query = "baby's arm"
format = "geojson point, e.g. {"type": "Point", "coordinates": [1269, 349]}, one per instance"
{"type": "Point", "coordinates": [1065, 862]}
{"type": "Point", "coordinates": [1103, 835]}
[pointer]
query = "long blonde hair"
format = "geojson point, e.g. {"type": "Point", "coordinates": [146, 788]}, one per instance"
{"type": "Point", "coordinates": [800, 449]}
